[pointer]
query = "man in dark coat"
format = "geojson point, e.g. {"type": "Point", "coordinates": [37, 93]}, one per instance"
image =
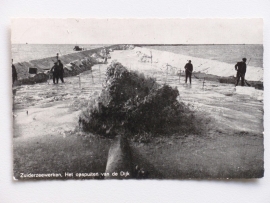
{"type": "Point", "coordinates": [55, 72]}
{"type": "Point", "coordinates": [61, 71]}
{"type": "Point", "coordinates": [189, 69]}
{"type": "Point", "coordinates": [241, 68]}
{"type": "Point", "coordinates": [14, 73]}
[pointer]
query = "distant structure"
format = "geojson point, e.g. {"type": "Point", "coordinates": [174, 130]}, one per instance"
{"type": "Point", "coordinates": [77, 48]}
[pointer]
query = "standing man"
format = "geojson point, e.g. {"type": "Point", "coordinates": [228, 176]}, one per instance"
{"type": "Point", "coordinates": [241, 68]}
{"type": "Point", "coordinates": [14, 73]}
{"type": "Point", "coordinates": [189, 69]}
{"type": "Point", "coordinates": [61, 71]}
{"type": "Point", "coordinates": [55, 72]}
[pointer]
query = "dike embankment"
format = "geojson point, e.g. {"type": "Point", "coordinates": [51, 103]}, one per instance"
{"type": "Point", "coordinates": [204, 69]}
{"type": "Point", "coordinates": [74, 64]}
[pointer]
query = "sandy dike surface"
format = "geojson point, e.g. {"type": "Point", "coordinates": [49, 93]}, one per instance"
{"type": "Point", "coordinates": [231, 119]}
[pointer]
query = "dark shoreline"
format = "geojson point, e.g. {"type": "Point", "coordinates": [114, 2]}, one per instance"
{"type": "Point", "coordinates": [44, 64]}
{"type": "Point", "coordinates": [228, 80]}
{"type": "Point", "coordinates": [86, 59]}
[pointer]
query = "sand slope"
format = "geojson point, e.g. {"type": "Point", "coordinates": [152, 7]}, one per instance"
{"type": "Point", "coordinates": [161, 58]}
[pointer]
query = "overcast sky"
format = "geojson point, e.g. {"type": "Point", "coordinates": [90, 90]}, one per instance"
{"type": "Point", "coordinates": [137, 31]}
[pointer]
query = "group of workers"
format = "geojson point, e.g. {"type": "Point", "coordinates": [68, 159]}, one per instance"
{"type": "Point", "coordinates": [58, 72]}
{"type": "Point", "coordinates": [240, 67]}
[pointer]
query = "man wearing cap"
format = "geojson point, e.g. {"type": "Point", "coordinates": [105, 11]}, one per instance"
{"type": "Point", "coordinates": [241, 68]}
{"type": "Point", "coordinates": [61, 71]}
{"type": "Point", "coordinates": [189, 69]}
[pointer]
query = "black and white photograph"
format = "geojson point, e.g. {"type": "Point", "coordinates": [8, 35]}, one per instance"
{"type": "Point", "coordinates": [137, 99]}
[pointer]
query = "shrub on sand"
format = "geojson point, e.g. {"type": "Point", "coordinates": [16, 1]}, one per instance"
{"type": "Point", "coordinates": [133, 103]}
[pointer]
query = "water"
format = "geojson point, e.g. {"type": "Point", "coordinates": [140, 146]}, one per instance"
{"type": "Point", "coordinates": [28, 52]}
{"type": "Point", "coordinates": [224, 53]}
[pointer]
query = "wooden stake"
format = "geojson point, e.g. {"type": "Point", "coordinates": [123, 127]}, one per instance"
{"type": "Point", "coordinates": [92, 76]}
{"type": "Point", "coordinates": [99, 74]}
{"type": "Point", "coordinates": [179, 75]}
{"type": "Point", "coordinates": [203, 81]}
{"type": "Point", "coordinates": [151, 60]}
{"type": "Point", "coordinates": [79, 81]}
{"type": "Point", "coordinates": [166, 73]}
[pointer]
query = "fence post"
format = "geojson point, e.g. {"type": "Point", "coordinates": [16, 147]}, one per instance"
{"type": "Point", "coordinates": [99, 74]}
{"type": "Point", "coordinates": [79, 81]}
{"type": "Point", "coordinates": [179, 75]}
{"type": "Point", "coordinates": [166, 73]}
{"type": "Point", "coordinates": [92, 76]}
{"type": "Point", "coordinates": [203, 81]}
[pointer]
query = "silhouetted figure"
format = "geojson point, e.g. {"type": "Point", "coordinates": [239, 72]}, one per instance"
{"type": "Point", "coordinates": [61, 71]}
{"type": "Point", "coordinates": [136, 171]}
{"type": "Point", "coordinates": [189, 69]}
{"type": "Point", "coordinates": [55, 72]}
{"type": "Point", "coordinates": [142, 174]}
{"type": "Point", "coordinates": [14, 73]}
{"type": "Point", "coordinates": [241, 68]}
